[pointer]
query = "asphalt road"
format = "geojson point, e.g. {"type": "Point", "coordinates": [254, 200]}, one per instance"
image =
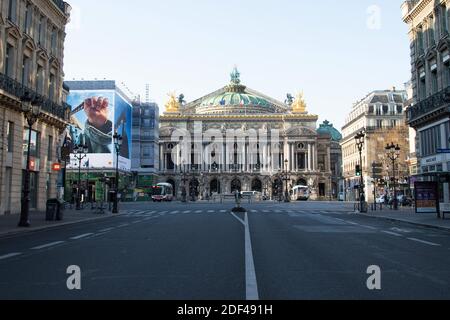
{"type": "Point", "coordinates": [203, 252]}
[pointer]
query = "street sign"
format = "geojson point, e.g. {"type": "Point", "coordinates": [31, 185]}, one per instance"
{"type": "Point", "coordinates": [443, 150]}
{"type": "Point", "coordinates": [56, 167]}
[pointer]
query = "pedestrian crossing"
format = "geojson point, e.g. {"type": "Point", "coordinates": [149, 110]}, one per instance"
{"type": "Point", "coordinates": [146, 213]}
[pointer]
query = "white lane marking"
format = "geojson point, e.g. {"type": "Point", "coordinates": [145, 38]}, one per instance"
{"type": "Point", "coordinates": [163, 212]}
{"type": "Point", "coordinates": [99, 234]}
{"type": "Point", "coordinates": [175, 212]}
{"type": "Point", "coordinates": [199, 211]}
{"type": "Point", "coordinates": [10, 255]}
{"type": "Point", "coordinates": [253, 211]}
{"type": "Point", "coordinates": [106, 230]}
{"type": "Point", "coordinates": [123, 225]}
{"type": "Point", "coordinates": [392, 233]}
{"type": "Point", "coordinates": [81, 236]}
{"type": "Point", "coordinates": [238, 219]}
{"type": "Point", "coordinates": [250, 272]}
{"type": "Point", "coordinates": [223, 211]}
{"type": "Point", "coordinates": [425, 242]}
{"type": "Point", "coordinates": [353, 223]}
{"type": "Point", "coordinates": [369, 227]}
{"type": "Point", "coordinates": [48, 245]}
{"type": "Point", "coordinates": [187, 211]}
{"type": "Point", "coordinates": [211, 211]}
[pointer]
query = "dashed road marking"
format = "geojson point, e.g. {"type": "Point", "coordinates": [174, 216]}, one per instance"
{"type": "Point", "coordinates": [199, 211]}
{"type": "Point", "coordinates": [392, 233]}
{"type": "Point", "coordinates": [106, 230]}
{"type": "Point", "coordinates": [48, 245]}
{"type": "Point", "coordinates": [187, 211]}
{"type": "Point", "coordinates": [81, 236]}
{"type": "Point", "coordinates": [425, 242]}
{"type": "Point", "coordinates": [123, 225]}
{"type": "Point", "coordinates": [369, 227]}
{"type": "Point", "coordinates": [10, 255]}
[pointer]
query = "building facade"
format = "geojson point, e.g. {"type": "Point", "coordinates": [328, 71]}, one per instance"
{"type": "Point", "coordinates": [239, 139]}
{"type": "Point", "coordinates": [145, 158]}
{"type": "Point", "coordinates": [429, 110]}
{"type": "Point", "coordinates": [32, 35]}
{"type": "Point", "coordinates": [337, 182]}
{"type": "Point", "coordinates": [381, 116]}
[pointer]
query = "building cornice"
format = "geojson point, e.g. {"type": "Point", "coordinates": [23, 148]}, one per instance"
{"type": "Point", "coordinates": [275, 117]}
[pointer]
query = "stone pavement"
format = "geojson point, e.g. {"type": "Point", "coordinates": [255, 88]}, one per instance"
{"type": "Point", "coordinates": [8, 223]}
{"type": "Point", "coordinates": [408, 215]}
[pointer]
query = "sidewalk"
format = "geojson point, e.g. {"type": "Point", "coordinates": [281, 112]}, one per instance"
{"type": "Point", "coordinates": [408, 215]}
{"type": "Point", "coordinates": [8, 223]}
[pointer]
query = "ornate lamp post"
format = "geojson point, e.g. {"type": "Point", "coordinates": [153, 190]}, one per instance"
{"type": "Point", "coordinates": [80, 152]}
{"type": "Point", "coordinates": [360, 141]}
{"type": "Point", "coordinates": [286, 179]}
{"type": "Point", "coordinates": [118, 140]}
{"type": "Point", "coordinates": [393, 153]}
{"type": "Point", "coordinates": [183, 180]}
{"type": "Point", "coordinates": [32, 112]}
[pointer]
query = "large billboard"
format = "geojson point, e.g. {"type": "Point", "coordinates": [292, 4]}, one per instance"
{"type": "Point", "coordinates": [97, 114]}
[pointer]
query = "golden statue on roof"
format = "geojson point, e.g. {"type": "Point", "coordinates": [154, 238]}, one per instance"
{"type": "Point", "coordinates": [173, 105]}
{"type": "Point", "coordinates": [299, 105]}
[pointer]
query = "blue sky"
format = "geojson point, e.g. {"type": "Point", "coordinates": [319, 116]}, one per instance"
{"type": "Point", "coordinates": [334, 51]}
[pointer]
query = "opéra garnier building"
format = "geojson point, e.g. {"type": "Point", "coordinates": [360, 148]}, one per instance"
{"type": "Point", "coordinates": [239, 139]}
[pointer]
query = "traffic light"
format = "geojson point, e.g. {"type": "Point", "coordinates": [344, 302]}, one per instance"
{"type": "Point", "coordinates": [358, 171]}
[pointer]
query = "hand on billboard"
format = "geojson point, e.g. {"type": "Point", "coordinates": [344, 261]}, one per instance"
{"type": "Point", "coordinates": [96, 109]}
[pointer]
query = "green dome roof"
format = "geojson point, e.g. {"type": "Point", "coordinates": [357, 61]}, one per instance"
{"type": "Point", "coordinates": [234, 98]}
{"type": "Point", "coordinates": [327, 128]}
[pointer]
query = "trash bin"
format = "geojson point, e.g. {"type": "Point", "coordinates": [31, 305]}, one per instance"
{"type": "Point", "coordinates": [60, 211]}
{"type": "Point", "coordinates": [52, 209]}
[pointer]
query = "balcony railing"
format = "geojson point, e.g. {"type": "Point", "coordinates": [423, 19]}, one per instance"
{"type": "Point", "coordinates": [433, 103]}
{"type": "Point", "coordinates": [60, 4]}
{"type": "Point", "coordinates": [15, 88]}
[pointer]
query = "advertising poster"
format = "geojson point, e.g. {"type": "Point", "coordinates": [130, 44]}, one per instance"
{"type": "Point", "coordinates": [122, 125]}
{"type": "Point", "coordinates": [97, 114]}
{"type": "Point", "coordinates": [427, 197]}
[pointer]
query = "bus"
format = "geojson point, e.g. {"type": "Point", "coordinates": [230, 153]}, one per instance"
{"type": "Point", "coordinates": [162, 192]}
{"type": "Point", "coordinates": [301, 193]}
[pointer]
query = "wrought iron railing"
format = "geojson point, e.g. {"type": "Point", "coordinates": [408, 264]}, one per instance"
{"type": "Point", "coordinates": [432, 103]}
{"type": "Point", "coordinates": [15, 88]}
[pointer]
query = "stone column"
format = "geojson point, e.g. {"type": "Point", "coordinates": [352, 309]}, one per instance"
{"type": "Point", "coordinates": [309, 157]}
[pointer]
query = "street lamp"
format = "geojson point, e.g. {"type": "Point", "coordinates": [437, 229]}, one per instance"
{"type": "Point", "coordinates": [183, 180]}
{"type": "Point", "coordinates": [118, 140]}
{"type": "Point", "coordinates": [32, 112]}
{"type": "Point", "coordinates": [80, 152]}
{"type": "Point", "coordinates": [393, 153]}
{"type": "Point", "coordinates": [360, 141]}
{"type": "Point", "coordinates": [286, 178]}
